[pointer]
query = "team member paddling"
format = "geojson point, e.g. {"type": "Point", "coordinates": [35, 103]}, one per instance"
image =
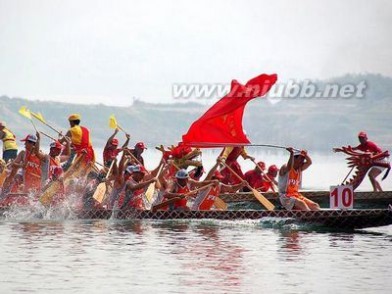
{"type": "Point", "coordinates": [207, 201]}
{"type": "Point", "coordinates": [135, 187]}
{"type": "Point", "coordinates": [111, 151]}
{"type": "Point", "coordinates": [10, 148]}
{"type": "Point", "coordinates": [181, 188]}
{"type": "Point", "coordinates": [30, 165]}
{"type": "Point", "coordinates": [230, 155]}
{"type": "Point", "coordinates": [290, 176]}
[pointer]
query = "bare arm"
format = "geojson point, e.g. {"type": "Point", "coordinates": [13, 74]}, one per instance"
{"type": "Point", "coordinates": [286, 167]}
{"type": "Point", "coordinates": [128, 136]}
{"type": "Point", "coordinates": [111, 138]}
{"type": "Point", "coordinates": [308, 161]}
{"type": "Point", "coordinates": [133, 187]}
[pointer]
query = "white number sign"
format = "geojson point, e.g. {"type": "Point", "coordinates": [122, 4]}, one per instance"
{"type": "Point", "coordinates": [341, 197]}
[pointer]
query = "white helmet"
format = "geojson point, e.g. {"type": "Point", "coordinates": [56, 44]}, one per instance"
{"type": "Point", "coordinates": [182, 174]}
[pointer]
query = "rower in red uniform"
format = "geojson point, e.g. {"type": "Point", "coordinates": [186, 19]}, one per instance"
{"type": "Point", "coordinates": [137, 153]}
{"type": "Point", "coordinates": [111, 151]}
{"type": "Point", "coordinates": [51, 168]}
{"type": "Point", "coordinates": [80, 139]}
{"type": "Point", "coordinates": [229, 155]}
{"type": "Point", "coordinates": [269, 182]}
{"type": "Point", "coordinates": [181, 187]}
{"type": "Point", "coordinates": [369, 146]}
{"type": "Point", "coordinates": [28, 161]}
{"type": "Point", "coordinates": [135, 187]}
{"type": "Point", "coordinates": [290, 177]}
{"type": "Point", "coordinates": [207, 200]}
{"type": "Point", "coordinates": [255, 177]}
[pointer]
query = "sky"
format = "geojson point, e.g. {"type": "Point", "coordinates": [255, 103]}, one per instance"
{"type": "Point", "coordinates": [94, 51]}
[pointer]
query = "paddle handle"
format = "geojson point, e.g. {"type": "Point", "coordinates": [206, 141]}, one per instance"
{"type": "Point", "coordinates": [120, 128]}
{"type": "Point", "coordinates": [110, 170]}
{"type": "Point", "coordinates": [134, 158]}
{"type": "Point", "coordinates": [50, 137]}
{"type": "Point", "coordinates": [199, 189]}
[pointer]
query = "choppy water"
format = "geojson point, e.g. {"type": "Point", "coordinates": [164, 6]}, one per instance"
{"type": "Point", "coordinates": [76, 256]}
{"type": "Point", "coordinates": [60, 254]}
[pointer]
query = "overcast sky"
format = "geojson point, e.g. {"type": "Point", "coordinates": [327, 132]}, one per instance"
{"type": "Point", "coordinates": [110, 51]}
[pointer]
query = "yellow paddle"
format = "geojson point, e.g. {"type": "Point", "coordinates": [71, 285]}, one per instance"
{"type": "Point", "coordinates": [24, 111]}
{"type": "Point", "coordinates": [264, 201]}
{"type": "Point", "coordinates": [100, 192]}
{"type": "Point", "coordinates": [114, 125]}
{"type": "Point", "coordinates": [40, 118]}
{"type": "Point", "coordinates": [151, 188]}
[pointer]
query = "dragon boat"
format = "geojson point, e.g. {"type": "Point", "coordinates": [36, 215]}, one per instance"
{"type": "Point", "coordinates": [362, 199]}
{"type": "Point", "coordinates": [326, 218]}
{"type": "Point", "coordinates": [336, 219]}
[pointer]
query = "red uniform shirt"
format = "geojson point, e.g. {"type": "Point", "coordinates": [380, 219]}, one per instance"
{"type": "Point", "coordinates": [110, 154]}
{"type": "Point", "coordinates": [369, 146]}
{"type": "Point", "coordinates": [254, 179]}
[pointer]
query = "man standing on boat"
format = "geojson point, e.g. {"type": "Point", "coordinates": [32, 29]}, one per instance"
{"type": "Point", "coordinates": [111, 151]}
{"type": "Point", "coordinates": [229, 156]}
{"type": "Point", "coordinates": [370, 147]}
{"type": "Point", "coordinates": [80, 139]}
{"type": "Point", "coordinates": [290, 177]}
{"type": "Point", "coordinates": [10, 148]}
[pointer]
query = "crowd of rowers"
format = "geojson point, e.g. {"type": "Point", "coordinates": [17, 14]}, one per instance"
{"type": "Point", "coordinates": [178, 175]}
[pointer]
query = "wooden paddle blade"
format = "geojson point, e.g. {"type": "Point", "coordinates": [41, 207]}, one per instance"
{"type": "Point", "coordinates": [165, 203]}
{"type": "Point", "coordinates": [220, 204]}
{"type": "Point", "coordinates": [112, 122]}
{"type": "Point", "coordinates": [25, 112]}
{"type": "Point", "coordinates": [264, 201]}
{"type": "Point", "coordinates": [38, 116]}
{"type": "Point", "coordinates": [150, 192]}
{"type": "Point", "coordinates": [99, 194]}
{"type": "Point", "coordinates": [77, 169]}
{"type": "Point", "coordinates": [47, 196]}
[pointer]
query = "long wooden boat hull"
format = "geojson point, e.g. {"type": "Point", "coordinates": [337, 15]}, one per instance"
{"type": "Point", "coordinates": [340, 219]}
{"type": "Point", "coordinates": [361, 199]}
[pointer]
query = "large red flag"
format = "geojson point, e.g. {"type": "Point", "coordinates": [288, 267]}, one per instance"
{"type": "Point", "coordinates": [221, 125]}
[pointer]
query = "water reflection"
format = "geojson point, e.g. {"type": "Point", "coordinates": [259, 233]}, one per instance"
{"type": "Point", "coordinates": [290, 241]}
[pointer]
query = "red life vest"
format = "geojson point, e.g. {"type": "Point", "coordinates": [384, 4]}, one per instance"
{"type": "Point", "coordinates": [209, 200]}
{"type": "Point", "coordinates": [182, 202]}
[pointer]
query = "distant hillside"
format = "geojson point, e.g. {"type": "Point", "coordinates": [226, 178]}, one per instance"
{"type": "Point", "coordinates": [315, 124]}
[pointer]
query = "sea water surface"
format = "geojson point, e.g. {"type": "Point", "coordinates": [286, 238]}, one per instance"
{"type": "Point", "coordinates": [61, 254]}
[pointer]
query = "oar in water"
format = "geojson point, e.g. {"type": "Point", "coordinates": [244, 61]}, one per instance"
{"type": "Point", "coordinates": [114, 125]}
{"type": "Point", "coordinates": [264, 201]}
{"type": "Point", "coordinates": [100, 191]}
